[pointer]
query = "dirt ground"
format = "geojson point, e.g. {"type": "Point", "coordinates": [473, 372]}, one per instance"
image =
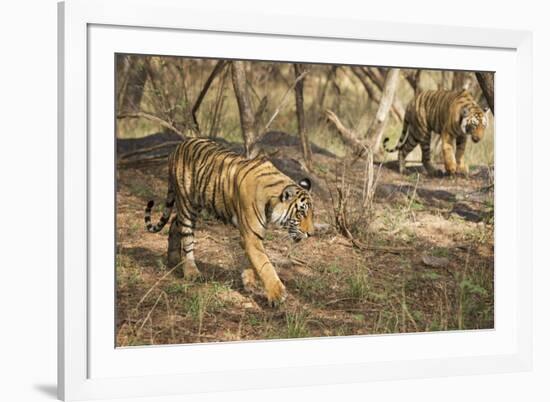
{"type": "Point", "coordinates": [428, 265]}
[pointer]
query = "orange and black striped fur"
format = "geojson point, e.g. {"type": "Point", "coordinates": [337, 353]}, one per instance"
{"type": "Point", "coordinates": [454, 115]}
{"type": "Point", "coordinates": [248, 193]}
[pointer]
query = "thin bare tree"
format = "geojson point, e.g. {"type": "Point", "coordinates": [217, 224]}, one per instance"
{"type": "Point", "coordinates": [376, 129]}
{"type": "Point", "coordinates": [246, 114]}
{"type": "Point", "coordinates": [302, 130]}
{"type": "Point", "coordinates": [413, 78]}
{"type": "Point", "coordinates": [252, 125]}
{"type": "Point", "coordinates": [329, 77]}
{"type": "Point", "coordinates": [373, 80]}
{"type": "Point", "coordinates": [133, 76]}
{"type": "Point", "coordinates": [168, 97]}
{"type": "Point", "coordinates": [373, 138]}
{"type": "Point", "coordinates": [446, 80]}
{"type": "Point", "coordinates": [215, 71]}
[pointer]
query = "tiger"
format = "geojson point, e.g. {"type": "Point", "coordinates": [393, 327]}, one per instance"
{"type": "Point", "coordinates": [247, 193]}
{"type": "Point", "coordinates": [454, 115]}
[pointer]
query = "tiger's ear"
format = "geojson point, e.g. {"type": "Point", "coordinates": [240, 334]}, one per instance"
{"type": "Point", "coordinates": [305, 183]}
{"type": "Point", "coordinates": [288, 193]}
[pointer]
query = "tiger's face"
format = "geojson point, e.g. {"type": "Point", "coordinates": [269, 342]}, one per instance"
{"type": "Point", "coordinates": [473, 122]}
{"type": "Point", "coordinates": [295, 210]}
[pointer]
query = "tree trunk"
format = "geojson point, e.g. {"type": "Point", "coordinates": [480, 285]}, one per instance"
{"type": "Point", "coordinates": [379, 78]}
{"type": "Point", "coordinates": [246, 114]}
{"type": "Point", "coordinates": [302, 131]}
{"type": "Point", "coordinates": [460, 80]}
{"type": "Point", "coordinates": [446, 80]}
{"type": "Point", "coordinates": [371, 83]}
{"type": "Point", "coordinates": [122, 70]}
{"type": "Point", "coordinates": [369, 86]}
{"type": "Point", "coordinates": [487, 84]}
{"type": "Point", "coordinates": [413, 78]}
{"type": "Point", "coordinates": [376, 129]}
{"type": "Point", "coordinates": [329, 77]}
{"type": "Point", "coordinates": [132, 93]}
{"type": "Point", "coordinates": [377, 75]}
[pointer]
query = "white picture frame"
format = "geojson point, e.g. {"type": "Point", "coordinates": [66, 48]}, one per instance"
{"type": "Point", "coordinates": [89, 365]}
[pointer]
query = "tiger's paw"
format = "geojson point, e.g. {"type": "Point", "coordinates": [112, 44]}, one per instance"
{"type": "Point", "coordinates": [191, 272]}
{"type": "Point", "coordinates": [462, 170]}
{"type": "Point", "coordinates": [276, 294]}
{"type": "Point", "coordinates": [451, 170]}
{"type": "Point", "coordinates": [249, 279]}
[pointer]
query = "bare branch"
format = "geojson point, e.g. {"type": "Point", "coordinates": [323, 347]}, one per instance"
{"type": "Point", "coordinates": [215, 71]}
{"type": "Point", "coordinates": [154, 118]}
{"type": "Point", "coordinates": [283, 100]}
{"type": "Point", "coordinates": [349, 137]}
{"type": "Point", "coordinates": [149, 149]}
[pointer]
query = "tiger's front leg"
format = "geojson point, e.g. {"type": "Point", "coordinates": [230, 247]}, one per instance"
{"type": "Point", "coordinates": [274, 288]}
{"type": "Point", "coordinates": [248, 277]}
{"type": "Point", "coordinates": [448, 153]}
{"type": "Point", "coordinates": [460, 149]}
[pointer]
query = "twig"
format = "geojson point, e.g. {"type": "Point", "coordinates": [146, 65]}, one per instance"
{"type": "Point", "coordinates": [386, 249]}
{"type": "Point", "coordinates": [167, 302]}
{"type": "Point", "coordinates": [335, 301]}
{"type": "Point", "coordinates": [298, 261]}
{"type": "Point", "coordinates": [156, 284]}
{"type": "Point", "coordinates": [149, 313]}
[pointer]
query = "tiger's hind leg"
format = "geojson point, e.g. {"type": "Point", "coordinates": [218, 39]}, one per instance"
{"type": "Point", "coordinates": [174, 244]}
{"type": "Point", "coordinates": [427, 159]}
{"type": "Point", "coordinates": [405, 150]}
{"type": "Point", "coordinates": [185, 226]}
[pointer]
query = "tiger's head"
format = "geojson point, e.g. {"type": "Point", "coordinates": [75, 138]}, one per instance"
{"type": "Point", "coordinates": [295, 210]}
{"type": "Point", "coordinates": [473, 121]}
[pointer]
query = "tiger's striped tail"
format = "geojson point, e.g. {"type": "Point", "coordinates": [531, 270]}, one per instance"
{"type": "Point", "coordinates": [168, 206]}
{"type": "Point", "coordinates": [402, 140]}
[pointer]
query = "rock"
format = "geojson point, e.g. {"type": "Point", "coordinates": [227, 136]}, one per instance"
{"type": "Point", "coordinates": [435, 262]}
